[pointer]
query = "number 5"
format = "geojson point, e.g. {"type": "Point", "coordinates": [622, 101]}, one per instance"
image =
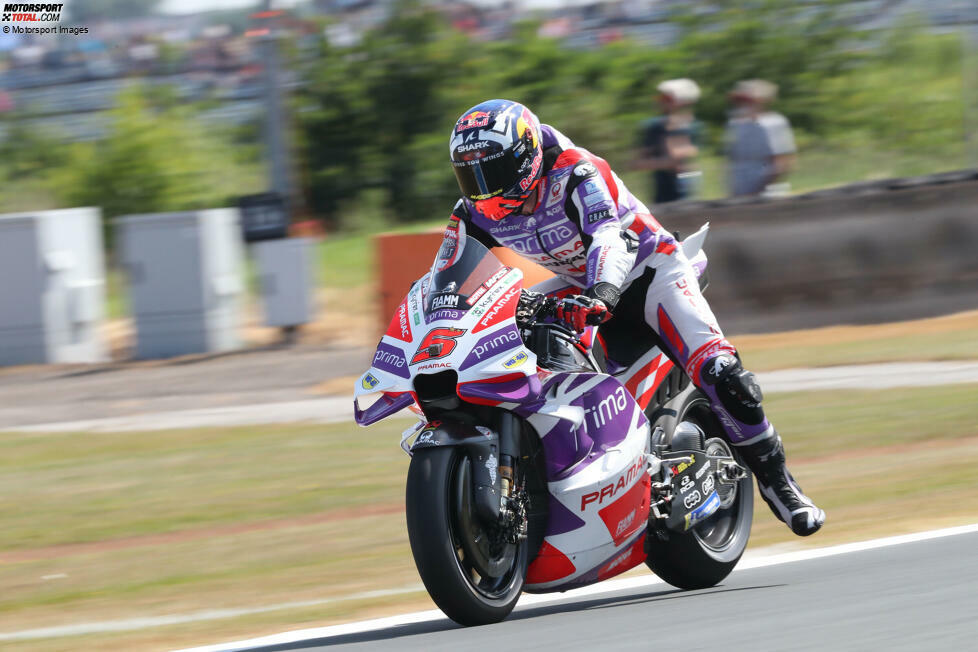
{"type": "Point", "coordinates": [438, 343]}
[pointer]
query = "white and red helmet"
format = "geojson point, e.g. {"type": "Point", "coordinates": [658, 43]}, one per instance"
{"type": "Point", "coordinates": [497, 157]}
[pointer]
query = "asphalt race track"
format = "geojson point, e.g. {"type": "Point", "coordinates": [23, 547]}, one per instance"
{"type": "Point", "coordinates": [914, 596]}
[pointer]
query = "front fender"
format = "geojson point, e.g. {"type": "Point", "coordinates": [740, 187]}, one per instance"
{"type": "Point", "coordinates": [482, 446]}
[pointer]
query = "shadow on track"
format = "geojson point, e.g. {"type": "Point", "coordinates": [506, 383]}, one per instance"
{"type": "Point", "coordinates": [441, 625]}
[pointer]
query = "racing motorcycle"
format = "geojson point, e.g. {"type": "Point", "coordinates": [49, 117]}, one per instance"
{"type": "Point", "coordinates": [539, 464]}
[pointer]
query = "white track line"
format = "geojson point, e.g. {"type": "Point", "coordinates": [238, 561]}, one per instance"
{"type": "Point", "coordinates": [339, 409]}
{"type": "Point", "coordinates": [755, 561]}
{"type": "Point", "coordinates": [131, 624]}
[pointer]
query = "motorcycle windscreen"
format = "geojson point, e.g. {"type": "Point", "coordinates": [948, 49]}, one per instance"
{"type": "Point", "coordinates": [460, 274]}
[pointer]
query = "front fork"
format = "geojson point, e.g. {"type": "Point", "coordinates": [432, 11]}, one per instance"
{"type": "Point", "coordinates": [513, 497]}
{"type": "Point", "coordinates": [509, 452]}
{"type": "Point", "coordinates": [499, 499]}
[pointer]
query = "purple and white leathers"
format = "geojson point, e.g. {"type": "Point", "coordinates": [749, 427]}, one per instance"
{"type": "Point", "coordinates": [601, 241]}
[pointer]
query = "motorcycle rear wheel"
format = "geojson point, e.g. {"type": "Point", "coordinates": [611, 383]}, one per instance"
{"type": "Point", "coordinates": [450, 544]}
{"type": "Point", "coordinates": [706, 554]}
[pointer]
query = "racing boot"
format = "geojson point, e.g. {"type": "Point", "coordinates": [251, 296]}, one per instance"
{"type": "Point", "coordinates": [778, 489]}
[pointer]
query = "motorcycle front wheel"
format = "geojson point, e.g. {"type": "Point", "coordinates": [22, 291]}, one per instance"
{"type": "Point", "coordinates": [473, 575]}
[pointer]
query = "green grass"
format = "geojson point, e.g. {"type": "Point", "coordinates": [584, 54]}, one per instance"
{"type": "Point", "coordinates": [170, 522]}
{"type": "Point", "coordinates": [954, 346]}
{"type": "Point", "coordinates": [817, 424]}
{"type": "Point", "coordinates": [952, 337]}
{"type": "Point", "coordinates": [71, 488]}
{"type": "Point", "coordinates": [345, 261]}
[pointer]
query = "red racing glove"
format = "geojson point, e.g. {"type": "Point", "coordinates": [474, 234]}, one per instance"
{"type": "Point", "coordinates": [579, 312]}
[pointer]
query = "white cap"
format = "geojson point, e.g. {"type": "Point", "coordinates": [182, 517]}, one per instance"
{"type": "Point", "coordinates": [682, 91]}
{"type": "Point", "coordinates": [759, 90]}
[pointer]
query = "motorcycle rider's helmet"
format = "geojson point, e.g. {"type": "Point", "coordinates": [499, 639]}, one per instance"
{"type": "Point", "coordinates": [497, 157]}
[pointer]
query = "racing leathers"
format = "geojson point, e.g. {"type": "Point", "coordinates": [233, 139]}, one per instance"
{"type": "Point", "coordinates": [600, 241]}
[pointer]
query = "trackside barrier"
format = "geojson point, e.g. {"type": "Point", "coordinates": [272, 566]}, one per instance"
{"type": "Point", "coordinates": [186, 280]}
{"type": "Point", "coordinates": [870, 252]}
{"type": "Point", "coordinates": [52, 296]}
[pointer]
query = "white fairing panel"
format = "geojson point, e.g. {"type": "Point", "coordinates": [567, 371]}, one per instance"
{"type": "Point", "coordinates": [600, 503]}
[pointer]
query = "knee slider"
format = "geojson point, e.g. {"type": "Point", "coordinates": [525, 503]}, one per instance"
{"type": "Point", "coordinates": [736, 388]}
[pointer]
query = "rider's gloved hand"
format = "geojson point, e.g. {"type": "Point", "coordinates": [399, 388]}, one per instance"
{"type": "Point", "coordinates": [529, 304]}
{"type": "Point", "coordinates": [579, 311]}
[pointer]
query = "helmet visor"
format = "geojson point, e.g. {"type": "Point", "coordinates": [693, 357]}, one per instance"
{"type": "Point", "coordinates": [497, 174]}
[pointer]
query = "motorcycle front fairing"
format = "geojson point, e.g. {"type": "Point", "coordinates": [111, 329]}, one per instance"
{"type": "Point", "coordinates": [460, 319]}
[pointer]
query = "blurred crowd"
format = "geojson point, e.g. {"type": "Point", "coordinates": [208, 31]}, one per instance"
{"type": "Point", "coordinates": [214, 55]}
{"type": "Point", "coordinates": [204, 56]}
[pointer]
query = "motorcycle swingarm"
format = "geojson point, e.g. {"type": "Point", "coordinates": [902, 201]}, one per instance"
{"type": "Point", "coordinates": [482, 445]}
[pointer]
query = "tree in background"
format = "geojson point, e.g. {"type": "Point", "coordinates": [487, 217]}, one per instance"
{"type": "Point", "coordinates": [798, 46]}
{"type": "Point", "coordinates": [368, 114]}
{"type": "Point", "coordinates": [151, 161]}
{"type": "Point", "coordinates": [27, 151]}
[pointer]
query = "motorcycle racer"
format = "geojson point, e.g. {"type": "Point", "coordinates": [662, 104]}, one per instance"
{"type": "Point", "coordinates": [527, 187]}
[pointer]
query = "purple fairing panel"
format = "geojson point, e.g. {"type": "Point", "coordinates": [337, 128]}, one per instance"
{"type": "Point", "coordinates": [516, 388]}
{"type": "Point", "coordinates": [492, 345]}
{"type": "Point", "coordinates": [383, 407]}
{"type": "Point", "coordinates": [449, 314]}
{"type": "Point", "coordinates": [610, 413]}
{"type": "Point", "coordinates": [391, 359]}
{"type": "Point", "coordinates": [565, 448]}
{"type": "Point", "coordinates": [579, 379]}
{"type": "Point", "coordinates": [560, 519]}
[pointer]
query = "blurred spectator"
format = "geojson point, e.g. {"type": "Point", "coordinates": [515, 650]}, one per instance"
{"type": "Point", "coordinates": [668, 143]}
{"type": "Point", "coordinates": [760, 145]}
